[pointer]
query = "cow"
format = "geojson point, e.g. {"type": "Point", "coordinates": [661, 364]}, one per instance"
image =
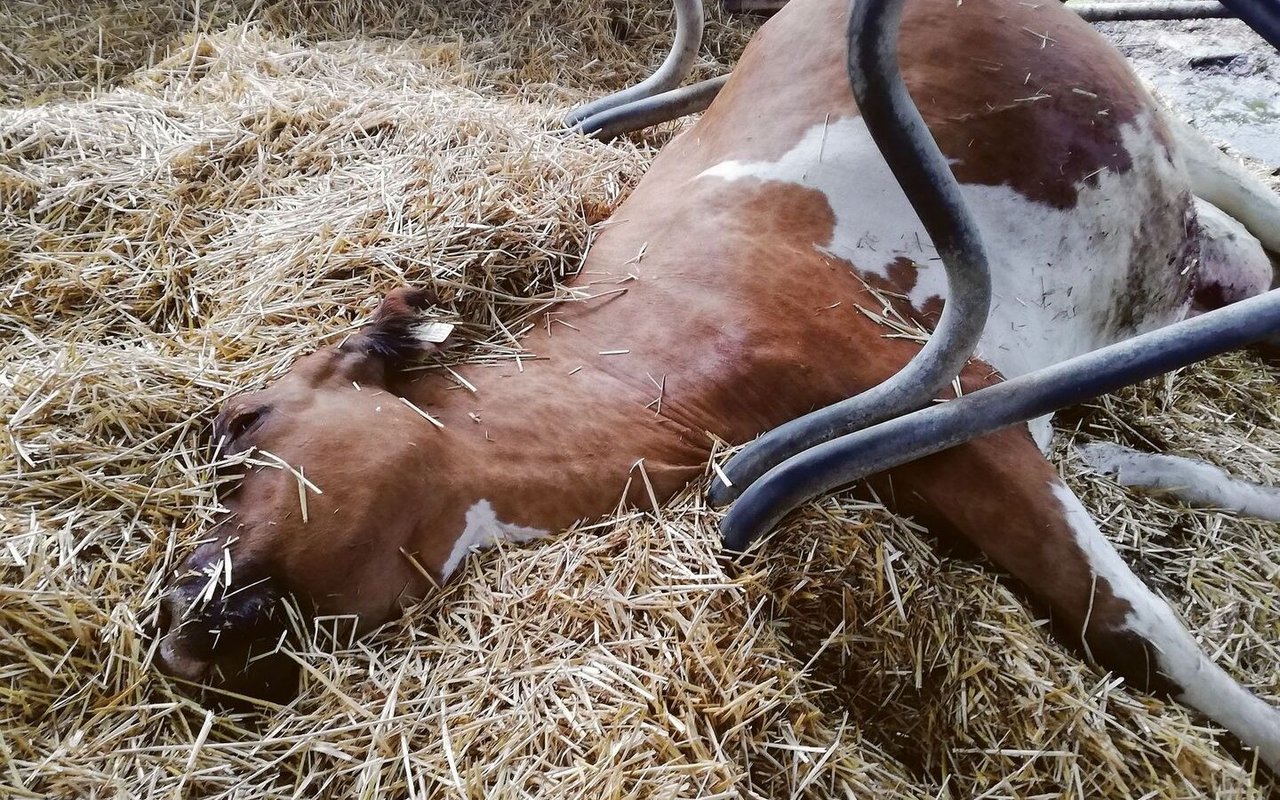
{"type": "Point", "coordinates": [727, 285]}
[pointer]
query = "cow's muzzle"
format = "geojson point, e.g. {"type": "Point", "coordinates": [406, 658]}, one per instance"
{"type": "Point", "coordinates": [227, 639]}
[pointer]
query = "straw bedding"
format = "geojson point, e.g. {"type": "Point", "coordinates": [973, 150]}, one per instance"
{"type": "Point", "coordinates": [234, 197]}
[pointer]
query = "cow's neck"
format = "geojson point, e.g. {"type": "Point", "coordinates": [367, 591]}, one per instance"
{"type": "Point", "coordinates": [713, 317]}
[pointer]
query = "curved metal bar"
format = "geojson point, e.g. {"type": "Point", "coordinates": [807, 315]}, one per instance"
{"type": "Point", "coordinates": [1151, 9]}
{"type": "Point", "coordinates": [641, 114]}
{"type": "Point", "coordinates": [690, 20]}
{"type": "Point", "coordinates": [1262, 16]}
{"type": "Point", "coordinates": [939, 427]}
{"type": "Point", "coordinates": [666, 106]}
{"type": "Point", "coordinates": [899, 131]}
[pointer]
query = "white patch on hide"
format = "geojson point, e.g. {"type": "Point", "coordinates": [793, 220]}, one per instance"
{"type": "Point", "coordinates": [1205, 686]}
{"type": "Point", "coordinates": [1059, 277]}
{"type": "Point", "coordinates": [483, 529]}
{"type": "Point", "coordinates": [1193, 482]}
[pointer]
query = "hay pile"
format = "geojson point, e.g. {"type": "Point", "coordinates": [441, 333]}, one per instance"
{"type": "Point", "coordinates": [240, 198]}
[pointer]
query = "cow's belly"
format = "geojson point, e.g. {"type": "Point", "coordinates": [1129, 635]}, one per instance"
{"type": "Point", "coordinates": [1064, 280]}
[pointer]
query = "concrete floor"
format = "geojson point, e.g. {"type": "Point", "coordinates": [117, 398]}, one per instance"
{"type": "Point", "coordinates": [1218, 74]}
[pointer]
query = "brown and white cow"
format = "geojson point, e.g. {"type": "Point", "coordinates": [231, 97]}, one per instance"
{"type": "Point", "coordinates": [762, 230]}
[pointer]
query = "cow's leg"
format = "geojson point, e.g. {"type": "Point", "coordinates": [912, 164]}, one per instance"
{"type": "Point", "coordinates": [1000, 493]}
{"type": "Point", "coordinates": [1192, 482]}
{"type": "Point", "coordinates": [1222, 181]}
{"type": "Point", "coordinates": [1233, 264]}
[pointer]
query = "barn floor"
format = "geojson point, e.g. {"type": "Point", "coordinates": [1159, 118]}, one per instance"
{"type": "Point", "coordinates": [1220, 76]}
{"type": "Point", "coordinates": [193, 194]}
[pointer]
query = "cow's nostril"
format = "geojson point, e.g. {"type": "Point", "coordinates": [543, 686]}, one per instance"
{"type": "Point", "coordinates": [180, 662]}
{"type": "Point", "coordinates": [227, 642]}
{"type": "Point", "coordinates": [163, 617]}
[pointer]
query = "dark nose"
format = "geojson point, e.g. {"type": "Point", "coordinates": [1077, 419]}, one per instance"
{"type": "Point", "coordinates": [225, 638]}
{"type": "Point", "coordinates": [186, 644]}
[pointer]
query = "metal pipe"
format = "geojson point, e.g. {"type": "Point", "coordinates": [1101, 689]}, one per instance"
{"type": "Point", "coordinates": [945, 425]}
{"type": "Point", "coordinates": [1154, 9]}
{"type": "Point", "coordinates": [1261, 15]}
{"type": "Point", "coordinates": [640, 114]}
{"type": "Point", "coordinates": [1093, 12]}
{"type": "Point", "coordinates": [915, 160]}
{"type": "Point", "coordinates": [675, 68]}
{"type": "Point", "coordinates": [748, 6]}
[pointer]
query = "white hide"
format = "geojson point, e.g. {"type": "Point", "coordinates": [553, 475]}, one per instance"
{"type": "Point", "coordinates": [1192, 482]}
{"type": "Point", "coordinates": [1057, 275]}
{"type": "Point", "coordinates": [1204, 685]}
{"type": "Point", "coordinates": [484, 529]}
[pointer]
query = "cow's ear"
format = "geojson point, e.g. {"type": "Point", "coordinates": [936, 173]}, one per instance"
{"type": "Point", "coordinates": [401, 330]}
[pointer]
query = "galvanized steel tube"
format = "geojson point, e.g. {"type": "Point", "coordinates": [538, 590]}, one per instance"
{"type": "Point", "coordinates": [640, 114]}
{"type": "Point", "coordinates": [675, 68]}
{"type": "Point", "coordinates": [938, 427]}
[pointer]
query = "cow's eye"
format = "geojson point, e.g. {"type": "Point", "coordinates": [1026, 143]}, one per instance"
{"type": "Point", "coordinates": [244, 422]}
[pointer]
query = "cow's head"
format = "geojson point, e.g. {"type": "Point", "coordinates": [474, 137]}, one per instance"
{"type": "Point", "coordinates": [329, 494]}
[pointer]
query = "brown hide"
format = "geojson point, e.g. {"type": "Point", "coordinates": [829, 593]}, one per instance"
{"type": "Point", "coordinates": [729, 303]}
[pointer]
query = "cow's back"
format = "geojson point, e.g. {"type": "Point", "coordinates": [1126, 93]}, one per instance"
{"type": "Point", "coordinates": [1062, 153]}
